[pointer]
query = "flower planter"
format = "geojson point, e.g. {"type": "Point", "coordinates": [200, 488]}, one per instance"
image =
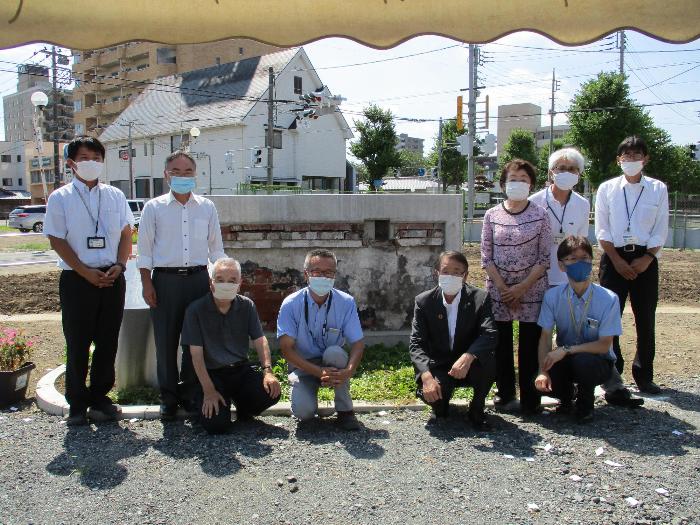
{"type": "Point", "coordinates": [13, 384]}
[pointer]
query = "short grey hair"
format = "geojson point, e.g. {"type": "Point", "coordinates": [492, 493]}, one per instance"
{"type": "Point", "coordinates": [225, 262]}
{"type": "Point", "coordinates": [320, 252]}
{"type": "Point", "coordinates": [177, 154]}
{"type": "Point", "coordinates": [571, 154]}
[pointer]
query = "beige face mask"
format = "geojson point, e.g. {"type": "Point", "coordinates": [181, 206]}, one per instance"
{"type": "Point", "coordinates": [225, 291]}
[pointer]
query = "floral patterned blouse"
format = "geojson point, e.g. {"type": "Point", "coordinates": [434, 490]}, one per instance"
{"type": "Point", "coordinates": [514, 243]}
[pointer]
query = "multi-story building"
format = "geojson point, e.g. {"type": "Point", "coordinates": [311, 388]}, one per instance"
{"type": "Point", "coordinates": [18, 107]}
{"type": "Point", "coordinates": [21, 168]}
{"type": "Point", "coordinates": [107, 80]}
{"type": "Point", "coordinates": [410, 144]}
{"type": "Point", "coordinates": [525, 116]}
{"type": "Point", "coordinates": [12, 166]}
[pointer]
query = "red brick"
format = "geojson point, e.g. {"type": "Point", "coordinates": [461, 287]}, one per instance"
{"type": "Point", "coordinates": [330, 226]}
{"type": "Point", "coordinates": [256, 227]}
{"type": "Point", "coordinates": [277, 227]}
{"type": "Point", "coordinates": [413, 225]}
{"type": "Point", "coordinates": [234, 227]}
{"type": "Point", "coordinates": [296, 227]}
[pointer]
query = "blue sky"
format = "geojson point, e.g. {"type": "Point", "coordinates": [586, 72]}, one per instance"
{"type": "Point", "coordinates": [421, 78]}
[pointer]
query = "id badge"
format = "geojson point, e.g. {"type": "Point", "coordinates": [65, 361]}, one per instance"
{"type": "Point", "coordinates": [629, 239]}
{"type": "Point", "coordinates": [95, 243]}
{"type": "Point", "coordinates": [558, 237]}
{"type": "Point", "coordinates": [592, 323]}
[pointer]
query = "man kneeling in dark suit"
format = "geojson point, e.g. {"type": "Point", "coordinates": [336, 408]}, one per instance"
{"type": "Point", "coordinates": [453, 340]}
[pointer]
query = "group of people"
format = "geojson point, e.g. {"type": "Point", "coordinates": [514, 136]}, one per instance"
{"type": "Point", "coordinates": [534, 251]}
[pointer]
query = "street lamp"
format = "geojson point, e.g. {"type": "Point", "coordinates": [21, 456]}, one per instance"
{"type": "Point", "coordinates": [39, 101]}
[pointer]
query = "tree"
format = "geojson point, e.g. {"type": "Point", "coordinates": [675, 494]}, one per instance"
{"type": "Point", "coordinates": [598, 132]}
{"type": "Point", "coordinates": [454, 164]}
{"type": "Point", "coordinates": [411, 162]}
{"type": "Point", "coordinates": [520, 145]}
{"type": "Point", "coordinates": [376, 145]}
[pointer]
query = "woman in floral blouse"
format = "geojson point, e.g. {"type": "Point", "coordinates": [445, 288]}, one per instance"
{"type": "Point", "coordinates": [515, 245]}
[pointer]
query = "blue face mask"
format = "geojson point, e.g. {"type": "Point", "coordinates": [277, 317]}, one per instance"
{"type": "Point", "coordinates": [182, 185]}
{"type": "Point", "coordinates": [321, 285]}
{"type": "Point", "coordinates": [579, 271]}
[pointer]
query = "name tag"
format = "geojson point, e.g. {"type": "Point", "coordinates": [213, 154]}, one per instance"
{"type": "Point", "coordinates": [95, 243]}
{"type": "Point", "coordinates": [628, 238]}
{"type": "Point", "coordinates": [558, 237]}
{"type": "Point", "coordinates": [592, 323]}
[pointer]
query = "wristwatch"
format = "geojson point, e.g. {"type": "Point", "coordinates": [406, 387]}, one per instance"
{"type": "Point", "coordinates": [122, 266]}
{"type": "Point", "coordinates": [566, 349]}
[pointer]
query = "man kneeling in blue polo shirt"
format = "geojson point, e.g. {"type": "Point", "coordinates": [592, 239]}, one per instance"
{"type": "Point", "coordinates": [312, 326]}
{"type": "Point", "coordinates": [218, 327]}
{"type": "Point", "coordinates": [587, 317]}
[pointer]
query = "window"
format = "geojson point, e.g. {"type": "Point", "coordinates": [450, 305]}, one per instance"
{"type": "Point", "coordinates": [277, 139]}
{"type": "Point", "coordinates": [6, 158]}
{"type": "Point", "coordinates": [79, 129]}
{"type": "Point", "coordinates": [145, 149]}
{"type": "Point", "coordinates": [143, 188]}
{"type": "Point", "coordinates": [19, 182]}
{"type": "Point", "coordinates": [381, 230]}
{"type": "Point", "coordinates": [297, 85]}
{"type": "Point", "coordinates": [241, 51]}
{"type": "Point", "coordinates": [175, 142]}
{"type": "Point", "coordinates": [218, 61]}
{"type": "Point", "coordinates": [166, 55]}
{"type": "Point", "coordinates": [7, 182]}
{"type": "Point", "coordinates": [122, 185]}
{"type": "Point", "coordinates": [19, 158]}
{"type": "Point", "coordinates": [158, 186]}
{"type": "Point", "coordinates": [76, 58]}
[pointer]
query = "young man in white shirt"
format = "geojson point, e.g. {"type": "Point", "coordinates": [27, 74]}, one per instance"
{"type": "Point", "coordinates": [631, 223]}
{"type": "Point", "coordinates": [179, 233]}
{"type": "Point", "coordinates": [569, 215]}
{"type": "Point", "coordinates": [89, 226]}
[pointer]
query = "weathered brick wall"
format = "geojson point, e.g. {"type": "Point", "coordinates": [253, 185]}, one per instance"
{"type": "Point", "coordinates": [383, 268]}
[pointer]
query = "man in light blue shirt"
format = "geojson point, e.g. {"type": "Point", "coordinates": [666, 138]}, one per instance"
{"type": "Point", "coordinates": [587, 317]}
{"type": "Point", "coordinates": [312, 327]}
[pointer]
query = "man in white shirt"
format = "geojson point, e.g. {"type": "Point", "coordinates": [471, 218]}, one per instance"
{"type": "Point", "coordinates": [178, 233]}
{"type": "Point", "coordinates": [89, 226]}
{"type": "Point", "coordinates": [631, 224]}
{"type": "Point", "coordinates": [569, 215]}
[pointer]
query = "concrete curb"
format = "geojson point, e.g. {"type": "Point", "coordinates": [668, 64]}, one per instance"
{"type": "Point", "coordinates": [54, 403]}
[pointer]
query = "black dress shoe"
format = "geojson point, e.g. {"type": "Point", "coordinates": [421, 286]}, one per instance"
{"type": "Point", "coordinates": [480, 422]}
{"type": "Point", "coordinates": [168, 412]}
{"type": "Point", "coordinates": [584, 415]}
{"type": "Point", "coordinates": [105, 412]}
{"type": "Point", "coordinates": [77, 419]}
{"type": "Point", "coordinates": [564, 409]}
{"type": "Point", "coordinates": [623, 398]}
{"type": "Point", "coordinates": [649, 388]}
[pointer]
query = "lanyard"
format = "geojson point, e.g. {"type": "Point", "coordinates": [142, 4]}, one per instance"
{"type": "Point", "coordinates": [579, 326]}
{"type": "Point", "coordinates": [99, 204]}
{"type": "Point", "coordinates": [325, 322]}
{"type": "Point", "coordinates": [560, 221]}
{"type": "Point", "coordinates": [627, 209]}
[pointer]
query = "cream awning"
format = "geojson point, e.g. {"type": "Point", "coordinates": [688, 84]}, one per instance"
{"type": "Point", "coordinates": [90, 24]}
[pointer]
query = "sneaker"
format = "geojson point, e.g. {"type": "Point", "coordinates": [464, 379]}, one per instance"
{"type": "Point", "coordinates": [650, 388]}
{"type": "Point", "coordinates": [348, 421]}
{"type": "Point", "coordinates": [622, 397]}
{"type": "Point", "coordinates": [105, 412]}
{"type": "Point", "coordinates": [77, 419]}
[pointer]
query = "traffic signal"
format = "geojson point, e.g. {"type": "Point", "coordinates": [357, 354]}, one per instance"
{"type": "Point", "coordinates": [256, 157]}
{"type": "Point", "coordinates": [460, 119]}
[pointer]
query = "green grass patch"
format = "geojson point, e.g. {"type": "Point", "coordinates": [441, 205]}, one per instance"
{"type": "Point", "coordinates": [138, 395]}
{"type": "Point", "coordinates": [36, 246]}
{"type": "Point", "coordinates": [7, 229]}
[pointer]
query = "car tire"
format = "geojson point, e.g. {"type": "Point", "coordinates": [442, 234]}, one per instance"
{"type": "Point", "coordinates": [38, 227]}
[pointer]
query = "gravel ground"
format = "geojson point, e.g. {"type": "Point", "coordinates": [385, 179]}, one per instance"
{"type": "Point", "coordinates": [394, 471]}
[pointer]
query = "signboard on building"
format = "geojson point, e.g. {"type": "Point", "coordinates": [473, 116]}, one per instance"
{"type": "Point", "coordinates": [45, 161]}
{"type": "Point", "coordinates": [124, 154]}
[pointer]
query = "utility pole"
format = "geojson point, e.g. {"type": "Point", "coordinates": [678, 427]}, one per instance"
{"type": "Point", "coordinates": [555, 87]}
{"type": "Point", "coordinates": [130, 124]}
{"type": "Point", "coordinates": [439, 166]}
{"type": "Point", "coordinates": [621, 44]}
{"type": "Point", "coordinates": [471, 130]}
{"type": "Point", "coordinates": [270, 123]}
{"type": "Point", "coordinates": [54, 97]}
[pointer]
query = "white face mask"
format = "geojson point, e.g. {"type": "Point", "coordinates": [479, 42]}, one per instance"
{"type": "Point", "coordinates": [225, 291]}
{"type": "Point", "coordinates": [517, 191]}
{"type": "Point", "coordinates": [632, 168]}
{"type": "Point", "coordinates": [565, 180]}
{"type": "Point", "coordinates": [90, 169]}
{"type": "Point", "coordinates": [450, 284]}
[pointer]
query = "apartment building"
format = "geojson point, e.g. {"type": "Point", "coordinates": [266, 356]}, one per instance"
{"type": "Point", "coordinates": [108, 80]}
{"type": "Point", "coordinates": [410, 144]}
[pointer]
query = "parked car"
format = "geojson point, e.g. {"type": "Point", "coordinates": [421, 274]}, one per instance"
{"type": "Point", "coordinates": [136, 206]}
{"type": "Point", "coordinates": [26, 218]}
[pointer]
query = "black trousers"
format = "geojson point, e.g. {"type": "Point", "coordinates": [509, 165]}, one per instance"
{"type": "Point", "coordinates": [242, 385]}
{"type": "Point", "coordinates": [584, 370]}
{"type": "Point", "coordinates": [480, 377]}
{"type": "Point", "coordinates": [174, 294]}
{"type": "Point", "coordinates": [644, 296]}
{"type": "Point", "coordinates": [90, 315]}
{"type": "Point", "coordinates": [528, 364]}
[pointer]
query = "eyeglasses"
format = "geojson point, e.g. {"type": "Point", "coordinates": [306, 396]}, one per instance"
{"type": "Point", "coordinates": [320, 273]}
{"type": "Point", "coordinates": [572, 169]}
{"type": "Point", "coordinates": [632, 156]}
